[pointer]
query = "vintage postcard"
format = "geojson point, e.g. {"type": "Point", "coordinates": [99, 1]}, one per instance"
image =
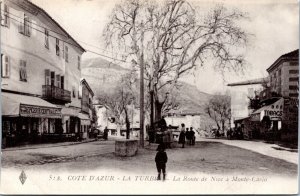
{"type": "Point", "coordinates": [149, 96]}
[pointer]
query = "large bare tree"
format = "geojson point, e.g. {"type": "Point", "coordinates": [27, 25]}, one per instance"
{"type": "Point", "coordinates": [171, 38]}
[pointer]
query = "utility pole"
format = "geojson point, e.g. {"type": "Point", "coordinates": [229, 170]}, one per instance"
{"type": "Point", "coordinates": [142, 91]}
{"type": "Point", "coordinates": [151, 105]}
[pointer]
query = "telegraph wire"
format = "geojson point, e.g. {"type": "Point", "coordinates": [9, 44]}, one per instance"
{"type": "Point", "coordinates": [50, 29]}
{"type": "Point", "coordinates": [63, 36]}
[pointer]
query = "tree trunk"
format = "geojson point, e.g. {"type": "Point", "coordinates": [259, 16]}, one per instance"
{"type": "Point", "coordinates": [223, 125]}
{"type": "Point", "coordinates": [127, 124]}
{"type": "Point", "coordinates": [158, 110]}
{"type": "Point", "coordinates": [218, 126]}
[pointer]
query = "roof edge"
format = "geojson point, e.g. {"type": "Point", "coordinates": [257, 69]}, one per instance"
{"type": "Point", "coordinates": [282, 58]}
{"type": "Point", "coordinates": [87, 85]}
{"type": "Point", "coordinates": [56, 23]}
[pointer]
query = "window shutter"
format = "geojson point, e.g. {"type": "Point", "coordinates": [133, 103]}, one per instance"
{"type": "Point", "coordinates": [67, 54]}
{"type": "Point", "coordinates": [21, 70]}
{"type": "Point", "coordinates": [58, 80]}
{"type": "Point", "coordinates": [52, 78]}
{"type": "Point", "coordinates": [57, 47]}
{"type": "Point", "coordinates": [46, 38]}
{"type": "Point", "coordinates": [5, 66]}
{"type": "Point", "coordinates": [33, 24]}
{"type": "Point", "coordinates": [7, 17]}
{"type": "Point", "coordinates": [62, 82]}
{"type": "Point", "coordinates": [63, 50]}
{"type": "Point", "coordinates": [28, 24]}
{"type": "Point", "coordinates": [47, 77]}
{"type": "Point", "coordinates": [3, 14]}
{"type": "Point", "coordinates": [22, 23]}
{"type": "Point", "coordinates": [25, 69]}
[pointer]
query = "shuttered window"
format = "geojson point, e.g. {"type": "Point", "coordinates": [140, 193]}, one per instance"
{"type": "Point", "coordinates": [47, 38]}
{"type": "Point", "coordinates": [66, 54]}
{"type": "Point", "coordinates": [27, 26]}
{"type": "Point", "coordinates": [22, 70]}
{"type": "Point", "coordinates": [293, 71]}
{"type": "Point", "coordinates": [5, 15]}
{"type": "Point", "coordinates": [62, 82]}
{"type": "Point", "coordinates": [21, 23]}
{"type": "Point", "coordinates": [57, 47]}
{"type": "Point", "coordinates": [52, 78]}
{"type": "Point", "coordinates": [5, 61]}
{"type": "Point", "coordinates": [58, 80]}
{"type": "Point", "coordinates": [47, 77]}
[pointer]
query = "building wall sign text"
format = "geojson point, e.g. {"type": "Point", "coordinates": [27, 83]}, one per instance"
{"type": "Point", "coordinates": [39, 111]}
{"type": "Point", "coordinates": [273, 113]}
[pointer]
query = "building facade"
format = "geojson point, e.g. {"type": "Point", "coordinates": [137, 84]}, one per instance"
{"type": "Point", "coordinates": [284, 86]}
{"type": "Point", "coordinates": [284, 75]}
{"type": "Point", "coordinates": [240, 93]}
{"type": "Point", "coordinates": [86, 95]}
{"type": "Point", "coordinates": [40, 73]}
{"type": "Point", "coordinates": [188, 119]}
{"type": "Point", "coordinates": [275, 114]}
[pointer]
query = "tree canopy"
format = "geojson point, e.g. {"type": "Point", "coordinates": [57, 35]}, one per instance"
{"type": "Point", "coordinates": [172, 39]}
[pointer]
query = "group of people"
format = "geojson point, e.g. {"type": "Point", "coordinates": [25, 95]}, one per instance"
{"type": "Point", "coordinates": [186, 134]}
{"type": "Point", "coordinates": [161, 158]}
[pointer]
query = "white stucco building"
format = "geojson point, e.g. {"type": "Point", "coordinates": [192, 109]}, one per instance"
{"type": "Point", "coordinates": [40, 72]}
{"type": "Point", "coordinates": [240, 93]}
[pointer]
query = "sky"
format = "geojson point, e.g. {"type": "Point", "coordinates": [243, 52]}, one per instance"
{"type": "Point", "coordinates": [274, 25]}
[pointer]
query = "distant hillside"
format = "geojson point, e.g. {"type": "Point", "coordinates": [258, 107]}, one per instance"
{"type": "Point", "coordinates": [103, 76]}
{"type": "Point", "coordinates": [191, 97]}
{"type": "Point", "coordinates": [101, 63]}
{"type": "Point", "coordinates": [193, 101]}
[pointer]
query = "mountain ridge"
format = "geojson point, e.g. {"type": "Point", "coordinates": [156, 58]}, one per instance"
{"type": "Point", "coordinates": [103, 76]}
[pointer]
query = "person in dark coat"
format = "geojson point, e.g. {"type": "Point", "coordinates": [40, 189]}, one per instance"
{"type": "Point", "coordinates": [188, 136]}
{"type": "Point", "coordinates": [161, 159]}
{"type": "Point", "coordinates": [181, 139]}
{"type": "Point", "coordinates": [105, 136]}
{"type": "Point", "coordinates": [163, 124]}
{"type": "Point", "coordinates": [192, 136]}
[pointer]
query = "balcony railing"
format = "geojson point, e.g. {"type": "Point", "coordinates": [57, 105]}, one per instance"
{"type": "Point", "coordinates": [55, 94]}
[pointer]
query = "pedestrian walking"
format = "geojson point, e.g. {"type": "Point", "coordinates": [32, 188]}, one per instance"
{"type": "Point", "coordinates": [165, 138]}
{"type": "Point", "coordinates": [192, 136]}
{"type": "Point", "coordinates": [105, 135]}
{"type": "Point", "coordinates": [188, 136]}
{"type": "Point", "coordinates": [161, 159]}
{"type": "Point", "coordinates": [162, 124]}
{"type": "Point", "coordinates": [181, 139]}
{"type": "Point", "coordinates": [168, 137]}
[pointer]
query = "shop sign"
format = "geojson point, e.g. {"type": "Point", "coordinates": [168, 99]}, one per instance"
{"type": "Point", "coordinates": [39, 112]}
{"type": "Point", "coordinates": [273, 113]}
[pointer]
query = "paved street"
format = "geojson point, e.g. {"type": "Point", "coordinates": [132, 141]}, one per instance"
{"type": "Point", "coordinates": [208, 156]}
{"type": "Point", "coordinates": [271, 150]}
{"type": "Point", "coordinates": [42, 155]}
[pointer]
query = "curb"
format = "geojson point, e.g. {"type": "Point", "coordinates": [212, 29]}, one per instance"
{"type": "Point", "coordinates": [46, 146]}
